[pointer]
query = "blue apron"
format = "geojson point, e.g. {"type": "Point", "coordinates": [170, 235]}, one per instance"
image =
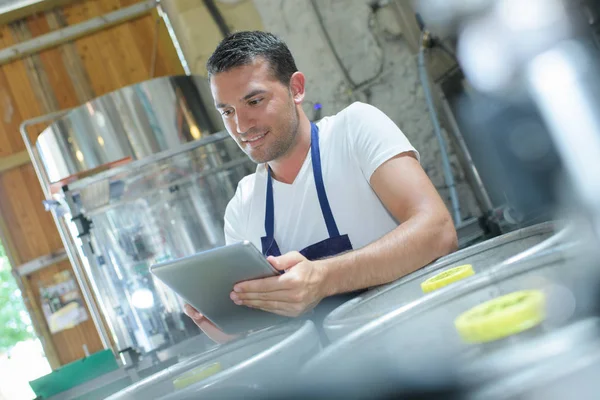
{"type": "Point", "coordinates": [335, 244]}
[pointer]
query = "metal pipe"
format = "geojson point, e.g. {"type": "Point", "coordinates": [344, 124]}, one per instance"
{"type": "Point", "coordinates": [11, 11]}
{"type": "Point", "coordinates": [216, 15]}
{"type": "Point", "coordinates": [481, 193]}
{"type": "Point", "coordinates": [151, 159]}
{"type": "Point", "coordinates": [70, 246]}
{"type": "Point", "coordinates": [448, 177]}
{"type": "Point", "coordinates": [79, 272]}
{"type": "Point", "coordinates": [163, 14]}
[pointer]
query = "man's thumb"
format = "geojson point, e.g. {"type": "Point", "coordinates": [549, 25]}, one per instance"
{"type": "Point", "coordinates": [286, 261]}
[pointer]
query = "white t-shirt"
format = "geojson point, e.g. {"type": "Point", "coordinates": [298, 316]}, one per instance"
{"type": "Point", "coordinates": [353, 144]}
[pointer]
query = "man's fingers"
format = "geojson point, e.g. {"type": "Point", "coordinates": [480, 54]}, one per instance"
{"type": "Point", "coordinates": [213, 332]}
{"type": "Point", "coordinates": [271, 284]}
{"type": "Point", "coordinates": [191, 312]}
{"type": "Point", "coordinates": [278, 295]}
{"type": "Point", "coordinates": [275, 307]}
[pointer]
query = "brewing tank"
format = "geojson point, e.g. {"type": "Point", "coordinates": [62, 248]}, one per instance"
{"type": "Point", "coordinates": [136, 177]}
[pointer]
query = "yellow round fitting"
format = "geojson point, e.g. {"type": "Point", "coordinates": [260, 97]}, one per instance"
{"type": "Point", "coordinates": [501, 317]}
{"type": "Point", "coordinates": [196, 375]}
{"type": "Point", "coordinates": [447, 277]}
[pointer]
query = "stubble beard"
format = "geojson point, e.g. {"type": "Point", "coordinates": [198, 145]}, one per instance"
{"type": "Point", "coordinates": [283, 142]}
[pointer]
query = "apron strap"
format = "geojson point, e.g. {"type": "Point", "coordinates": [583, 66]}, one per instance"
{"type": "Point", "coordinates": [320, 186]}
{"type": "Point", "coordinates": [318, 174]}
{"type": "Point", "coordinates": [269, 208]}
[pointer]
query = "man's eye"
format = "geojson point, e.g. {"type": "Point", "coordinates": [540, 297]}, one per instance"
{"type": "Point", "coordinates": [254, 102]}
{"type": "Point", "coordinates": [227, 113]}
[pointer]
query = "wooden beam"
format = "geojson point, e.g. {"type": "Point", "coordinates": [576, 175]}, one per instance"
{"type": "Point", "coordinates": [73, 32]}
{"type": "Point", "coordinates": [72, 61]}
{"type": "Point", "coordinates": [8, 15]}
{"type": "Point", "coordinates": [7, 243]}
{"type": "Point", "coordinates": [37, 317]}
{"type": "Point", "coordinates": [41, 262]}
{"type": "Point", "coordinates": [14, 160]}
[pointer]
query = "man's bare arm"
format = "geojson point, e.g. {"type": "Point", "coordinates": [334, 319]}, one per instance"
{"type": "Point", "coordinates": [425, 234]}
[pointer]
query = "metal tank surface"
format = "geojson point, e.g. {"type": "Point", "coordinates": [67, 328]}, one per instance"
{"type": "Point", "coordinates": [379, 301]}
{"type": "Point", "coordinates": [421, 337]}
{"type": "Point", "coordinates": [263, 358]}
{"type": "Point", "coordinates": [571, 372]}
{"type": "Point", "coordinates": [119, 379]}
{"type": "Point", "coordinates": [549, 367]}
{"type": "Point", "coordinates": [129, 124]}
{"type": "Point", "coordinates": [133, 178]}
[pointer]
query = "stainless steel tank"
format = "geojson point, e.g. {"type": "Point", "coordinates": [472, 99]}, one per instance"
{"type": "Point", "coordinates": [129, 124]}
{"type": "Point", "coordinates": [272, 355]}
{"type": "Point", "coordinates": [551, 367]}
{"type": "Point", "coordinates": [511, 360]}
{"type": "Point", "coordinates": [421, 336]}
{"type": "Point", "coordinates": [573, 372]}
{"type": "Point", "coordinates": [136, 177]}
{"type": "Point", "coordinates": [377, 302]}
{"type": "Point", "coordinates": [560, 367]}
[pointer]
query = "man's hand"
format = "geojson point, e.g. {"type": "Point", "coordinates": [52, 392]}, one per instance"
{"type": "Point", "coordinates": [297, 291]}
{"type": "Point", "coordinates": [207, 327]}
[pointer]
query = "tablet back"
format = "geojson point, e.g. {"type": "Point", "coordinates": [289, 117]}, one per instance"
{"type": "Point", "coordinates": [206, 279]}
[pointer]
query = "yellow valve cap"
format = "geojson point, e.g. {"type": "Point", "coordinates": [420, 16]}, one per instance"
{"type": "Point", "coordinates": [196, 375]}
{"type": "Point", "coordinates": [447, 277]}
{"type": "Point", "coordinates": [501, 317]}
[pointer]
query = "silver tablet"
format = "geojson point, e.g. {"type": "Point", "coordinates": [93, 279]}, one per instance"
{"type": "Point", "coordinates": [206, 279]}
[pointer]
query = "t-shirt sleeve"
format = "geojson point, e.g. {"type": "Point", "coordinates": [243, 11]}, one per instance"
{"type": "Point", "coordinates": [233, 219]}
{"type": "Point", "coordinates": [374, 137]}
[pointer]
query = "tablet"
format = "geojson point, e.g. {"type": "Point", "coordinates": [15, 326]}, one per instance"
{"type": "Point", "coordinates": [206, 279]}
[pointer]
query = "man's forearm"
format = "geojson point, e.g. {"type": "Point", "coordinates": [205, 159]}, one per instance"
{"type": "Point", "coordinates": [407, 248]}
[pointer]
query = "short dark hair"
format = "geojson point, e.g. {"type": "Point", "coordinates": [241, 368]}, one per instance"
{"type": "Point", "coordinates": [242, 48]}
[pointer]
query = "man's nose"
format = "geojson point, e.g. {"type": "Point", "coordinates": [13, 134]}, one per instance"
{"type": "Point", "coordinates": [244, 122]}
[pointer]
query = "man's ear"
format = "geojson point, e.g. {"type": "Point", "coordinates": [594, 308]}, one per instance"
{"type": "Point", "coordinates": [297, 82]}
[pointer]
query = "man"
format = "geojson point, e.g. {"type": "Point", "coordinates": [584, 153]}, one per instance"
{"type": "Point", "coordinates": [341, 205]}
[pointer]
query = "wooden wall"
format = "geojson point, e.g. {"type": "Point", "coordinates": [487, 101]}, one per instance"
{"type": "Point", "coordinates": [54, 79]}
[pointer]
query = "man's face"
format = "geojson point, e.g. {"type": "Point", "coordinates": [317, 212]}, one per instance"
{"type": "Point", "coordinates": [257, 110]}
